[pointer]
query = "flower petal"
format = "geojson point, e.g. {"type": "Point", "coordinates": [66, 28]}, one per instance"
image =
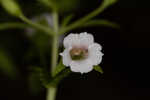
{"type": "Point", "coordinates": [84, 66]}
{"type": "Point", "coordinates": [86, 39]}
{"type": "Point", "coordinates": [95, 55]}
{"type": "Point", "coordinates": [83, 39]}
{"type": "Point", "coordinates": [71, 39]}
{"type": "Point", "coordinates": [66, 57]}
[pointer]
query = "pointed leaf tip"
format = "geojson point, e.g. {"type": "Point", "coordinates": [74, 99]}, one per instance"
{"type": "Point", "coordinates": [98, 69]}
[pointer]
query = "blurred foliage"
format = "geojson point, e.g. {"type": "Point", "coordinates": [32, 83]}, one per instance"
{"type": "Point", "coordinates": [66, 5]}
{"type": "Point", "coordinates": [40, 43]}
{"type": "Point", "coordinates": [34, 84]}
{"type": "Point", "coordinates": [11, 7]}
{"type": "Point", "coordinates": [101, 22]}
{"type": "Point", "coordinates": [61, 6]}
{"type": "Point", "coordinates": [7, 65]}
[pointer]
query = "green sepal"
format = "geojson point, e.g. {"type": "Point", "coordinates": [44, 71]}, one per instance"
{"type": "Point", "coordinates": [60, 67]}
{"type": "Point", "coordinates": [98, 69]}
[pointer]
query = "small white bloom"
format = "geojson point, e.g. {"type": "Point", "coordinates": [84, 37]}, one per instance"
{"type": "Point", "coordinates": [81, 52]}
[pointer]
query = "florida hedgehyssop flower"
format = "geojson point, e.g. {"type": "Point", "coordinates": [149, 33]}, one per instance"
{"type": "Point", "coordinates": [81, 52]}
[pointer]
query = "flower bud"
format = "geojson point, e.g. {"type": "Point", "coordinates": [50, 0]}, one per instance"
{"type": "Point", "coordinates": [11, 7]}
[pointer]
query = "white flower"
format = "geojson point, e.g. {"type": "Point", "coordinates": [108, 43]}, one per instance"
{"type": "Point", "coordinates": [81, 53]}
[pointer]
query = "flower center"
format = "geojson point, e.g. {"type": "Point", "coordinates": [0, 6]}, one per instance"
{"type": "Point", "coordinates": [78, 53]}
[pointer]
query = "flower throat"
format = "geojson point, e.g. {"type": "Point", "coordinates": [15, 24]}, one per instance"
{"type": "Point", "coordinates": [78, 53]}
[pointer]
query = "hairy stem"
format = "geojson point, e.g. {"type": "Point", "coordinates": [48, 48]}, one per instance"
{"type": "Point", "coordinates": [51, 92]}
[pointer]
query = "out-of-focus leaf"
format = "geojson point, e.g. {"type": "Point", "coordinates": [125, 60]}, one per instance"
{"type": "Point", "coordinates": [66, 5]}
{"type": "Point", "coordinates": [42, 75]}
{"type": "Point", "coordinates": [48, 3]}
{"type": "Point", "coordinates": [11, 7]}
{"type": "Point", "coordinates": [59, 68]}
{"type": "Point", "coordinates": [34, 84]}
{"type": "Point", "coordinates": [101, 22]}
{"type": "Point", "coordinates": [109, 2]}
{"type": "Point", "coordinates": [99, 69]}
{"type": "Point", "coordinates": [39, 49]}
{"type": "Point", "coordinates": [40, 42]}
{"type": "Point", "coordinates": [7, 66]}
{"type": "Point", "coordinates": [8, 25]}
{"type": "Point", "coordinates": [46, 79]}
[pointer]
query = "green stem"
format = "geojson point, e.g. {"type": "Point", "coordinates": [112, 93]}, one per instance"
{"type": "Point", "coordinates": [55, 43]}
{"type": "Point", "coordinates": [54, 54]}
{"type": "Point", "coordinates": [51, 95]}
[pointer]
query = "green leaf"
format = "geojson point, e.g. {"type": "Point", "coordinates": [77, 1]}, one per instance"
{"type": "Point", "coordinates": [109, 2]}
{"type": "Point", "coordinates": [56, 80]}
{"type": "Point", "coordinates": [48, 3]}
{"type": "Point", "coordinates": [42, 74]}
{"type": "Point", "coordinates": [11, 7]}
{"type": "Point", "coordinates": [8, 25]}
{"type": "Point", "coordinates": [105, 4]}
{"type": "Point", "coordinates": [60, 67]}
{"type": "Point", "coordinates": [99, 69]}
{"type": "Point", "coordinates": [67, 20]}
{"type": "Point", "coordinates": [100, 22]}
{"type": "Point", "coordinates": [7, 66]}
{"type": "Point", "coordinates": [65, 6]}
{"type": "Point", "coordinates": [45, 77]}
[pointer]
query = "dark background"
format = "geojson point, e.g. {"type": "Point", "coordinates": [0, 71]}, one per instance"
{"type": "Point", "coordinates": [125, 63]}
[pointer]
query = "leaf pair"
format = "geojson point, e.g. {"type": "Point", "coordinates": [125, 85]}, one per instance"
{"type": "Point", "coordinates": [87, 20]}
